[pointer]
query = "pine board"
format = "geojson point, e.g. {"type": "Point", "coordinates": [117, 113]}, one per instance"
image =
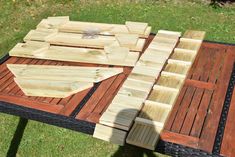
{"type": "Point", "coordinates": [51, 88]}
{"type": "Point", "coordinates": [66, 73]}
{"type": "Point", "coordinates": [60, 53]}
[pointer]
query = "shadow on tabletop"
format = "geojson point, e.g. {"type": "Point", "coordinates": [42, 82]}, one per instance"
{"type": "Point", "coordinates": [131, 150]}
{"type": "Point", "coordinates": [15, 142]}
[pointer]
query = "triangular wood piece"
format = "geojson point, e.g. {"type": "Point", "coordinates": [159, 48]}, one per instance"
{"type": "Point", "coordinates": [127, 40]}
{"type": "Point", "coordinates": [71, 73]}
{"type": "Point", "coordinates": [51, 88]}
{"type": "Point", "coordinates": [136, 27]}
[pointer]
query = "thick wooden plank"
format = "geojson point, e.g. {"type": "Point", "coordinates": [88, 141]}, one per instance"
{"type": "Point", "coordinates": [66, 73]}
{"type": "Point", "coordinates": [144, 135]}
{"type": "Point", "coordinates": [193, 34]}
{"type": "Point", "coordinates": [110, 134]}
{"type": "Point", "coordinates": [54, 88]}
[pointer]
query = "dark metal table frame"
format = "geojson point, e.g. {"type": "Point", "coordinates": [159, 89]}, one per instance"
{"type": "Point", "coordinates": [86, 127]}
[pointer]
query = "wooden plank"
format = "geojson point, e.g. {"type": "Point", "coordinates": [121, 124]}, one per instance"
{"type": "Point", "coordinates": [53, 22]}
{"type": "Point", "coordinates": [138, 85]}
{"type": "Point", "coordinates": [141, 77]}
{"type": "Point", "coordinates": [136, 27]}
{"type": "Point", "coordinates": [104, 29]}
{"type": "Point", "coordinates": [144, 70]}
{"type": "Point", "coordinates": [155, 111]}
{"type": "Point", "coordinates": [193, 34]}
{"type": "Point", "coordinates": [83, 55]}
{"type": "Point", "coordinates": [144, 135]}
{"type": "Point", "coordinates": [177, 68]}
{"type": "Point", "coordinates": [121, 120]}
{"type": "Point", "coordinates": [162, 96]}
{"type": "Point", "coordinates": [189, 45]}
{"type": "Point", "coordinates": [188, 57]}
{"type": "Point", "coordinates": [66, 73]}
{"type": "Point", "coordinates": [68, 39]}
{"type": "Point", "coordinates": [125, 40]}
{"type": "Point", "coordinates": [46, 88]}
{"type": "Point", "coordinates": [109, 134]}
{"type": "Point", "coordinates": [170, 81]}
{"type": "Point", "coordinates": [133, 93]}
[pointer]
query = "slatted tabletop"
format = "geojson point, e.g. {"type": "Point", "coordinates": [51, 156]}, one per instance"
{"type": "Point", "coordinates": [193, 121]}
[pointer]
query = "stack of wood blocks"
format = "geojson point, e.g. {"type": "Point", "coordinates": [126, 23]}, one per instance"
{"type": "Point", "coordinates": [130, 98]}
{"type": "Point", "coordinates": [111, 44]}
{"type": "Point", "coordinates": [149, 123]}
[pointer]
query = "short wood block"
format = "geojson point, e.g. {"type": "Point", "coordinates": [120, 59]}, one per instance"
{"type": "Point", "coordinates": [110, 134]}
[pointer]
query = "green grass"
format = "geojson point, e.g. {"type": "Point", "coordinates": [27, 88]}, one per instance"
{"type": "Point", "coordinates": [19, 16]}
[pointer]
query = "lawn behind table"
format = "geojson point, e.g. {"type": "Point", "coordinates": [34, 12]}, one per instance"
{"type": "Point", "coordinates": [18, 17]}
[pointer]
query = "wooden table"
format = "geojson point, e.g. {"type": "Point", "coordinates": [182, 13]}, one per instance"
{"type": "Point", "coordinates": [194, 127]}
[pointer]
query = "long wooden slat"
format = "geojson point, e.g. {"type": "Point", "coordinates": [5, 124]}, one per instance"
{"type": "Point", "coordinates": [61, 53]}
{"type": "Point", "coordinates": [72, 39]}
{"type": "Point", "coordinates": [105, 29]}
{"type": "Point", "coordinates": [66, 73]}
{"type": "Point", "coordinates": [47, 88]}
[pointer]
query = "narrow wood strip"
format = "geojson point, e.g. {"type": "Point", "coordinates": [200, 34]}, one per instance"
{"type": "Point", "coordinates": [179, 139]}
{"type": "Point", "coordinates": [200, 84]}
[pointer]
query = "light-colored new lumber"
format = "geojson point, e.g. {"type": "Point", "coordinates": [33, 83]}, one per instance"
{"type": "Point", "coordinates": [155, 111]}
{"type": "Point", "coordinates": [127, 40]}
{"type": "Point", "coordinates": [141, 77]}
{"type": "Point", "coordinates": [122, 120]}
{"type": "Point", "coordinates": [163, 95]}
{"type": "Point", "coordinates": [188, 57]}
{"type": "Point", "coordinates": [177, 68]}
{"type": "Point", "coordinates": [193, 34]}
{"type": "Point", "coordinates": [72, 39]}
{"type": "Point", "coordinates": [138, 85]}
{"type": "Point", "coordinates": [51, 88]}
{"type": "Point", "coordinates": [29, 49]}
{"type": "Point", "coordinates": [175, 61]}
{"type": "Point", "coordinates": [104, 29]}
{"type": "Point", "coordinates": [154, 58]}
{"type": "Point", "coordinates": [66, 73]}
{"type": "Point", "coordinates": [72, 54]}
{"type": "Point", "coordinates": [170, 81]}
{"type": "Point", "coordinates": [109, 134]}
{"type": "Point", "coordinates": [145, 70]}
{"type": "Point", "coordinates": [136, 27]}
{"type": "Point", "coordinates": [133, 92]}
{"type": "Point", "coordinates": [144, 135]}
{"type": "Point", "coordinates": [53, 22]}
{"type": "Point", "coordinates": [116, 53]}
{"type": "Point", "coordinates": [189, 45]}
